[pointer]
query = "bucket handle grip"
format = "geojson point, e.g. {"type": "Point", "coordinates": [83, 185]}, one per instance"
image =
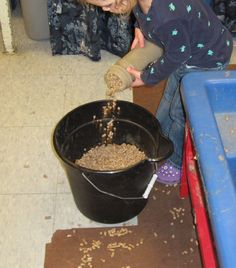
{"type": "Point", "coordinates": [144, 196]}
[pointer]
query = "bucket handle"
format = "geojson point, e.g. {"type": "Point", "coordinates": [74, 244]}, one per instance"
{"type": "Point", "coordinates": [144, 196]}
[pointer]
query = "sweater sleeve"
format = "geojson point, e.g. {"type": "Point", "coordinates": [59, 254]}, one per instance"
{"type": "Point", "coordinates": [176, 42]}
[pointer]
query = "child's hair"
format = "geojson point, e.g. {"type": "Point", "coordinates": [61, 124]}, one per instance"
{"type": "Point", "coordinates": [125, 5]}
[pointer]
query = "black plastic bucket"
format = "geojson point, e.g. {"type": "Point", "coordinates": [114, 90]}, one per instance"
{"type": "Point", "coordinates": [110, 196]}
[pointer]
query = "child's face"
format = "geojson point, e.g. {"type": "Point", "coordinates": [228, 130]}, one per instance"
{"type": "Point", "coordinates": [113, 6]}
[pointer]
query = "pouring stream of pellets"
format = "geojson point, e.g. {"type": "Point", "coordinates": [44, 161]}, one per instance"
{"type": "Point", "coordinates": [118, 79]}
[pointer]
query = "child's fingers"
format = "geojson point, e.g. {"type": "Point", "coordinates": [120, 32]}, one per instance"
{"type": "Point", "coordinates": [134, 44]}
{"type": "Point", "coordinates": [134, 72]}
{"type": "Point", "coordinates": [141, 42]}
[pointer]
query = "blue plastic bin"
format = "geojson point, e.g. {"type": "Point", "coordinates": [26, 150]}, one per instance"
{"type": "Point", "coordinates": [210, 103]}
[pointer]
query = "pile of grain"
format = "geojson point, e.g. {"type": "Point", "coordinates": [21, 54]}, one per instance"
{"type": "Point", "coordinates": [111, 157]}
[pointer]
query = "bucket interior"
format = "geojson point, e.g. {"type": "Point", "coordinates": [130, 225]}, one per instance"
{"type": "Point", "coordinates": [79, 130]}
{"type": "Point", "coordinates": [89, 135]}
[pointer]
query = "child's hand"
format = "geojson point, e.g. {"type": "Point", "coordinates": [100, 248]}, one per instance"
{"type": "Point", "coordinates": [138, 39]}
{"type": "Point", "coordinates": [137, 74]}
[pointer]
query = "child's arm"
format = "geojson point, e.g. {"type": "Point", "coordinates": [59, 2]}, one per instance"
{"type": "Point", "coordinates": [177, 50]}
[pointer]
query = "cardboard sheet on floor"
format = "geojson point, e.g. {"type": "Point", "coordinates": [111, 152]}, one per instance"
{"type": "Point", "coordinates": [164, 237]}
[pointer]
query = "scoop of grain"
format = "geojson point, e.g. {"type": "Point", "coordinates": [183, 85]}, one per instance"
{"type": "Point", "coordinates": [111, 157]}
{"type": "Point", "coordinates": [114, 84]}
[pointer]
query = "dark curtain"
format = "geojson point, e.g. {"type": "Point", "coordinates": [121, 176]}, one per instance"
{"type": "Point", "coordinates": [86, 29]}
{"type": "Point", "coordinates": [226, 12]}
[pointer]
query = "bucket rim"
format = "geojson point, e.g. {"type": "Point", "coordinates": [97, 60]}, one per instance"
{"type": "Point", "coordinates": [106, 101]}
{"type": "Point", "coordinates": [88, 170]}
{"type": "Point", "coordinates": [116, 171]}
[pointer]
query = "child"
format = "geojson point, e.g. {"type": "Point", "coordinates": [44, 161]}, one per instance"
{"type": "Point", "coordinates": [193, 39]}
